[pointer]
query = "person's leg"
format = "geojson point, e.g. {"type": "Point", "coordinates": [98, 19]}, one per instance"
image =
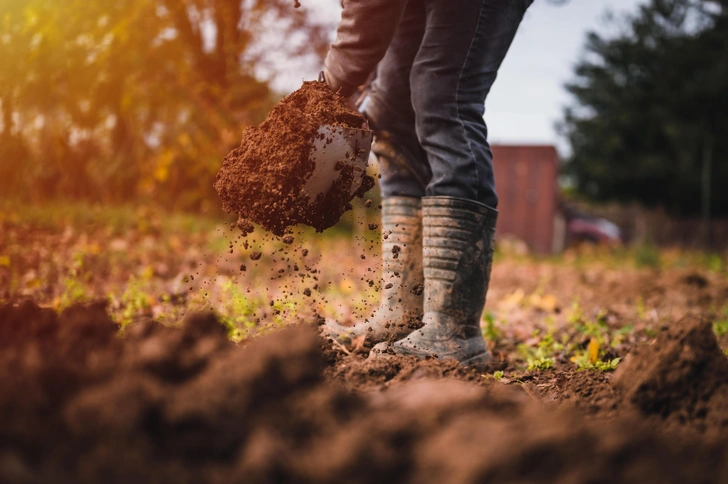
{"type": "Point", "coordinates": [464, 45]}
{"type": "Point", "coordinates": [405, 174]}
{"type": "Point", "coordinates": [402, 161]}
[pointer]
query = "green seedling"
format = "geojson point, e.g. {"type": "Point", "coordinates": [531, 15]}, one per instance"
{"type": "Point", "coordinates": [596, 329]}
{"type": "Point", "coordinates": [541, 357]}
{"type": "Point", "coordinates": [134, 302]}
{"type": "Point", "coordinates": [575, 314]}
{"type": "Point", "coordinates": [490, 332]}
{"type": "Point", "coordinates": [589, 358]}
{"type": "Point", "coordinates": [74, 284]}
{"type": "Point", "coordinates": [619, 336]}
{"type": "Point", "coordinates": [237, 315]}
{"type": "Point", "coordinates": [540, 363]}
{"type": "Point", "coordinates": [599, 334]}
{"type": "Point", "coordinates": [599, 365]}
{"type": "Point", "coordinates": [720, 327]}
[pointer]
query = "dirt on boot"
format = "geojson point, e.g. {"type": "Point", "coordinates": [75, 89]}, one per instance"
{"type": "Point", "coordinates": [262, 179]}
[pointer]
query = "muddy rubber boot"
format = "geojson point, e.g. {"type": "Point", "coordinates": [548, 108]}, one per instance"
{"type": "Point", "coordinates": [400, 308]}
{"type": "Point", "coordinates": [458, 254]}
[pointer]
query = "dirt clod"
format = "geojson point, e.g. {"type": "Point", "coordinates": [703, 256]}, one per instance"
{"type": "Point", "coordinates": [418, 289]}
{"type": "Point", "coordinates": [262, 180]}
{"type": "Point", "coordinates": [245, 227]}
{"type": "Point", "coordinates": [682, 379]}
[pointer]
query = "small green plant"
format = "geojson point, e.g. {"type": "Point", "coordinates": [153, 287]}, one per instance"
{"type": "Point", "coordinates": [74, 284]}
{"type": "Point", "coordinates": [590, 357]}
{"type": "Point", "coordinates": [541, 357]}
{"type": "Point", "coordinates": [491, 333]}
{"type": "Point", "coordinates": [720, 327]}
{"type": "Point", "coordinates": [540, 363]}
{"type": "Point", "coordinates": [596, 329]}
{"type": "Point", "coordinates": [599, 365]}
{"type": "Point", "coordinates": [599, 334]}
{"type": "Point", "coordinates": [238, 314]}
{"type": "Point", "coordinates": [575, 314]}
{"type": "Point", "coordinates": [498, 375]}
{"type": "Point", "coordinates": [134, 301]}
{"type": "Point", "coordinates": [620, 335]}
{"type": "Point", "coordinates": [600, 330]}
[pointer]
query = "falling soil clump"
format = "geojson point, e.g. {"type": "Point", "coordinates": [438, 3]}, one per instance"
{"type": "Point", "coordinates": [263, 179]}
{"type": "Point", "coordinates": [245, 227]}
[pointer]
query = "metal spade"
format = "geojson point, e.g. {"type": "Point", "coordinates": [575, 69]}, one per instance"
{"type": "Point", "coordinates": [333, 148]}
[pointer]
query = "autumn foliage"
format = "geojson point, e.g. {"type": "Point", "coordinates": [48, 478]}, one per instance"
{"type": "Point", "coordinates": [115, 101]}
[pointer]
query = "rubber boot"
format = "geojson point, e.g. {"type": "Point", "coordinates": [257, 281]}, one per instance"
{"type": "Point", "coordinates": [400, 308]}
{"type": "Point", "coordinates": [458, 254]}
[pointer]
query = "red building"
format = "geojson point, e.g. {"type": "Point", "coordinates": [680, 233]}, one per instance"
{"type": "Point", "coordinates": [526, 184]}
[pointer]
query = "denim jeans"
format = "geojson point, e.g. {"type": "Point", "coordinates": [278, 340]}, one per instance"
{"type": "Point", "coordinates": [427, 101]}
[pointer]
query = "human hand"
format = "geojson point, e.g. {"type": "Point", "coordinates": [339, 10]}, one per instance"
{"type": "Point", "coordinates": [356, 97]}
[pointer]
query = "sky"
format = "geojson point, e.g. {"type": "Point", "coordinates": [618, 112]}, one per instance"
{"type": "Point", "coordinates": [528, 97]}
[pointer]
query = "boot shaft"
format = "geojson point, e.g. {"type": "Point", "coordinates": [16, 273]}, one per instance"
{"type": "Point", "coordinates": [401, 296]}
{"type": "Point", "coordinates": [402, 276]}
{"type": "Point", "coordinates": [458, 248]}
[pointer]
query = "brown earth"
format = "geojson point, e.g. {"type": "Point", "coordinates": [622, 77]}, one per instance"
{"type": "Point", "coordinates": [81, 403]}
{"type": "Point", "coordinates": [262, 179]}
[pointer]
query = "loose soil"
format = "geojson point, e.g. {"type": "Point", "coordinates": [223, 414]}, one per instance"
{"type": "Point", "coordinates": [81, 402]}
{"type": "Point", "coordinates": [262, 179]}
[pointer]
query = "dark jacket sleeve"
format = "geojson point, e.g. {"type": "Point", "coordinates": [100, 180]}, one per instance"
{"type": "Point", "coordinates": [363, 36]}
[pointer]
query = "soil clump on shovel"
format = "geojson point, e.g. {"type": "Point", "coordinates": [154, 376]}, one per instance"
{"type": "Point", "coordinates": [264, 179]}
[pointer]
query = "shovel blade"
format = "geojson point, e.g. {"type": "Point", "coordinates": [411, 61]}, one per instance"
{"type": "Point", "coordinates": [333, 148]}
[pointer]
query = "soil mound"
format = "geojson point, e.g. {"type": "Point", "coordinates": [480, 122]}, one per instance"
{"type": "Point", "coordinates": [80, 403]}
{"type": "Point", "coordinates": [361, 374]}
{"type": "Point", "coordinates": [681, 379]}
{"type": "Point", "coordinates": [262, 180]}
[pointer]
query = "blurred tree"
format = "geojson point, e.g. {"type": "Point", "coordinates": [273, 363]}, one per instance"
{"type": "Point", "coordinates": [116, 100]}
{"type": "Point", "coordinates": [651, 107]}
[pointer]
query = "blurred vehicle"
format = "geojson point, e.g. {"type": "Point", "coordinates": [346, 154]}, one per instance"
{"type": "Point", "coordinates": [581, 227]}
